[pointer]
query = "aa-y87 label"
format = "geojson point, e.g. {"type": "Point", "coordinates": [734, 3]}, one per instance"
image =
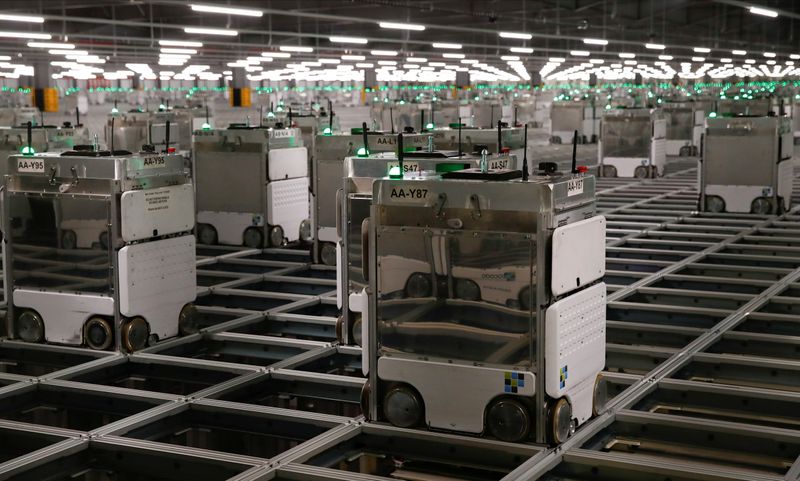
{"type": "Point", "coordinates": [30, 165]}
{"type": "Point", "coordinates": [407, 194]}
{"type": "Point", "coordinates": [574, 187]}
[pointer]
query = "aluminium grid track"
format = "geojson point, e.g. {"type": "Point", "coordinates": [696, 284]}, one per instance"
{"type": "Point", "coordinates": [703, 360]}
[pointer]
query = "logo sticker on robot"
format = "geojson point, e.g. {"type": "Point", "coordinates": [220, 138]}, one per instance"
{"type": "Point", "coordinates": [258, 220]}
{"type": "Point", "coordinates": [563, 375]}
{"type": "Point", "coordinates": [30, 165]}
{"type": "Point", "coordinates": [574, 187]}
{"type": "Point", "coordinates": [513, 381]}
{"type": "Point", "coordinates": [766, 192]}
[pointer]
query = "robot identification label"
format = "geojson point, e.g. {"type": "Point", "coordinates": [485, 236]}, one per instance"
{"type": "Point", "coordinates": [408, 194]}
{"type": "Point", "coordinates": [30, 165]}
{"type": "Point", "coordinates": [574, 187]}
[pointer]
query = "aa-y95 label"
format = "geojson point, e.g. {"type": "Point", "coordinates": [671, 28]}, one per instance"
{"type": "Point", "coordinates": [30, 165]}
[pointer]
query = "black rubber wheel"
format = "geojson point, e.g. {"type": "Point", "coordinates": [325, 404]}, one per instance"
{"type": "Point", "coordinates": [206, 234]}
{"type": "Point", "coordinates": [135, 334]}
{"type": "Point", "coordinates": [97, 334]}
{"type": "Point", "coordinates": [641, 172]}
{"type": "Point", "coordinates": [560, 421]}
{"type": "Point", "coordinates": [69, 239]}
{"type": "Point", "coordinates": [715, 204]}
{"type": "Point", "coordinates": [187, 320]}
{"type": "Point", "coordinates": [276, 236]}
{"type": "Point", "coordinates": [327, 253]}
{"type": "Point", "coordinates": [402, 406]}
{"type": "Point", "coordinates": [507, 419]}
{"type": "Point", "coordinates": [30, 326]}
{"type": "Point", "coordinates": [253, 237]}
{"type": "Point", "coordinates": [762, 206]}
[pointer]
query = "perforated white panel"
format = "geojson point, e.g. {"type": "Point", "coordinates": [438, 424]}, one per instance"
{"type": "Point", "coordinates": [288, 205]}
{"type": "Point", "coordinates": [156, 280]}
{"type": "Point", "coordinates": [575, 339]}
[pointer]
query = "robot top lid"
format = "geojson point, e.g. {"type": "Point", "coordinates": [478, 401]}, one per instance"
{"type": "Point", "coordinates": [119, 165]}
{"type": "Point", "coordinates": [741, 125]}
{"type": "Point", "coordinates": [633, 113]}
{"type": "Point", "coordinates": [228, 139]}
{"type": "Point", "coordinates": [435, 196]}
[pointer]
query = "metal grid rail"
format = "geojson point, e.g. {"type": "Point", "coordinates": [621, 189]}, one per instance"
{"type": "Point", "coordinates": [702, 367]}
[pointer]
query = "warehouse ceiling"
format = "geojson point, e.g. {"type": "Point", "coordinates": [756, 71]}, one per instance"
{"type": "Point", "coordinates": [125, 31]}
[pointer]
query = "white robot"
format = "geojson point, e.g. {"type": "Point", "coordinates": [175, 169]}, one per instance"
{"type": "Point", "coordinates": [330, 150]}
{"type": "Point", "coordinates": [684, 127]}
{"type": "Point", "coordinates": [503, 331]}
{"type": "Point", "coordinates": [747, 165]}
{"type": "Point", "coordinates": [632, 143]}
{"type": "Point", "coordinates": [252, 186]}
{"type": "Point", "coordinates": [104, 256]}
{"type": "Point", "coordinates": [568, 116]}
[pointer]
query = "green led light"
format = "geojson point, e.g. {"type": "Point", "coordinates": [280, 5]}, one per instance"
{"type": "Point", "coordinates": [608, 107]}
{"type": "Point", "coordinates": [27, 150]}
{"type": "Point", "coordinates": [270, 115]}
{"type": "Point", "coordinates": [279, 109]}
{"type": "Point", "coordinates": [712, 115]}
{"type": "Point", "coordinates": [362, 152]}
{"type": "Point", "coordinates": [114, 110]}
{"type": "Point", "coordinates": [429, 126]}
{"type": "Point", "coordinates": [162, 107]}
{"type": "Point", "coordinates": [206, 126]}
{"type": "Point", "coordinates": [327, 131]}
{"type": "Point", "coordinates": [394, 172]}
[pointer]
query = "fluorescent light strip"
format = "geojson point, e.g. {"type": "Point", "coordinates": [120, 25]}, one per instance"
{"type": "Point", "coordinates": [698, 59]}
{"type": "Point", "coordinates": [21, 18]}
{"type": "Point", "coordinates": [595, 41]}
{"type": "Point", "coordinates": [521, 50]}
{"type": "Point", "coordinates": [211, 31]}
{"type": "Point", "coordinates": [665, 57]}
{"type": "Point", "coordinates": [294, 48]}
{"type": "Point", "coordinates": [579, 53]}
{"type": "Point", "coordinates": [227, 10]}
{"type": "Point", "coordinates": [763, 11]}
{"type": "Point", "coordinates": [702, 50]}
{"type": "Point", "coordinates": [655, 46]}
{"type": "Point", "coordinates": [51, 45]}
{"type": "Point", "coordinates": [556, 59]}
{"type": "Point", "coordinates": [453, 55]}
{"type": "Point", "coordinates": [769, 54]}
{"type": "Point", "coordinates": [627, 55]}
{"type": "Point", "coordinates": [364, 65]}
{"type": "Point", "coordinates": [26, 35]}
{"type": "Point", "coordinates": [358, 40]}
{"type": "Point", "coordinates": [179, 50]}
{"type": "Point", "coordinates": [384, 53]}
{"type": "Point", "coordinates": [739, 52]}
{"type": "Point", "coordinates": [333, 61]}
{"type": "Point", "coordinates": [276, 54]}
{"type": "Point", "coordinates": [519, 36]}
{"type": "Point", "coordinates": [452, 46]}
{"type": "Point", "coordinates": [510, 58]}
{"type": "Point", "coordinates": [417, 59]}
{"type": "Point", "coordinates": [353, 57]}
{"type": "Point", "coordinates": [401, 26]}
{"type": "Point", "coordinates": [179, 43]}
